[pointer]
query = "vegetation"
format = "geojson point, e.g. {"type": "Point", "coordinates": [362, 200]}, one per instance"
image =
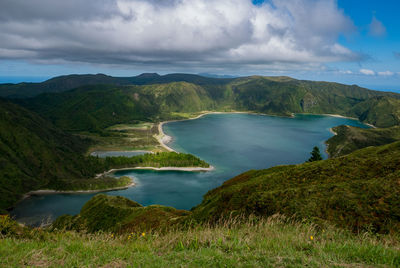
{"type": "Point", "coordinates": [125, 137]}
{"type": "Point", "coordinates": [68, 82]}
{"type": "Point", "coordinates": [271, 242]}
{"type": "Point", "coordinates": [359, 191]}
{"type": "Point", "coordinates": [348, 139]}
{"type": "Point", "coordinates": [340, 211]}
{"type": "Point", "coordinates": [164, 159]}
{"type": "Point", "coordinates": [36, 155]}
{"type": "Point", "coordinates": [119, 215]}
{"type": "Point", "coordinates": [92, 184]}
{"type": "Point", "coordinates": [380, 111]}
{"type": "Point", "coordinates": [315, 155]}
{"type": "Point", "coordinates": [95, 107]}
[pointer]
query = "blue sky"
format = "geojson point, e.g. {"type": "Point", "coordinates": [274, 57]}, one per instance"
{"type": "Point", "coordinates": [344, 41]}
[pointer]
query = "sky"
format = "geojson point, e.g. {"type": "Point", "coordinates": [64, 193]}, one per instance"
{"type": "Point", "coordinates": [346, 41]}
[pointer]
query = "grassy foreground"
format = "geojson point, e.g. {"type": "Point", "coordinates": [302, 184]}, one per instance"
{"type": "Point", "coordinates": [275, 241]}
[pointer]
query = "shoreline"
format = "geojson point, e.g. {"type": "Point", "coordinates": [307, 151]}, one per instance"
{"type": "Point", "coordinates": [342, 116]}
{"type": "Point", "coordinates": [326, 144]}
{"type": "Point", "coordinates": [122, 151]}
{"type": "Point", "coordinates": [164, 139]}
{"type": "Point", "coordinates": [187, 169]}
{"type": "Point", "coordinates": [48, 191]}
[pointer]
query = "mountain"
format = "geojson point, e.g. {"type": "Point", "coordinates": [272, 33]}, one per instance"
{"type": "Point", "coordinates": [68, 82]}
{"type": "Point", "coordinates": [349, 139]}
{"type": "Point", "coordinates": [56, 84]}
{"type": "Point", "coordinates": [35, 154]}
{"type": "Point", "coordinates": [381, 111]}
{"type": "Point", "coordinates": [95, 107]}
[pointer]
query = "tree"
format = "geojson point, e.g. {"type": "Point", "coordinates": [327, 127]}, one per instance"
{"type": "Point", "coordinates": [315, 155]}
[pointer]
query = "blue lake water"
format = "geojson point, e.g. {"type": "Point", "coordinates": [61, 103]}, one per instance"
{"type": "Point", "coordinates": [232, 143]}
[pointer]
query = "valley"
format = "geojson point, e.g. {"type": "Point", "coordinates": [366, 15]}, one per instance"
{"type": "Point", "coordinates": [267, 125]}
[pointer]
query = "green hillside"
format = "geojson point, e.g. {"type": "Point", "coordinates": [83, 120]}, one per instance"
{"type": "Point", "coordinates": [358, 191]}
{"type": "Point", "coordinates": [68, 82]}
{"type": "Point", "coordinates": [379, 111]}
{"type": "Point", "coordinates": [119, 215]}
{"type": "Point", "coordinates": [348, 139]}
{"type": "Point", "coordinates": [34, 155]}
{"type": "Point", "coordinates": [56, 84]}
{"type": "Point", "coordinates": [95, 107]}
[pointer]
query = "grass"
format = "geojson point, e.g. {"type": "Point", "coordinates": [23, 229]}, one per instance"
{"type": "Point", "coordinates": [126, 137]}
{"type": "Point", "coordinates": [94, 184]}
{"type": "Point", "coordinates": [349, 139]}
{"type": "Point", "coordinates": [271, 242]}
{"type": "Point", "coordinates": [359, 191]}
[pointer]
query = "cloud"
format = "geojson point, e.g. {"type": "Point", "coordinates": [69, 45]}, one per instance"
{"type": "Point", "coordinates": [344, 72]}
{"type": "Point", "coordinates": [376, 28]}
{"type": "Point", "coordinates": [367, 72]}
{"type": "Point", "coordinates": [386, 73]}
{"type": "Point", "coordinates": [194, 33]}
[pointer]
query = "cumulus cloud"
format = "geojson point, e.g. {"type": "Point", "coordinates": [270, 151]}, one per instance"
{"type": "Point", "coordinates": [367, 72]}
{"type": "Point", "coordinates": [386, 73]}
{"type": "Point", "coordinates": [175, 32]}
{"type": "Point", "coordinates": [376, 28]}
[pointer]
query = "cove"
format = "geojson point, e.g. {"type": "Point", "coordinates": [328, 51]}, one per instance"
{"type": "Point", "coordinates": [232, 143]}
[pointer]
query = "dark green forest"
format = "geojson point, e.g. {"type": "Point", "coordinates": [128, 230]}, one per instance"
{"type": "Point", "coordinates": [34, 154]}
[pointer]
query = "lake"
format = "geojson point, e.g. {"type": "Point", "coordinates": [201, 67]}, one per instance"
{"type": "Point", "coordinates": [232, 143]}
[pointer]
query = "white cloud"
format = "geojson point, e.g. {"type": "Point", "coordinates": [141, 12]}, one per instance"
{"type": "Point", "coordinates": [345, 72]}
{"type": "Point", "coordinates": [178, 32]}
{"type": "Point", "coordinates": [376, 28]}
{"type": "Point", "coordinates": [386, 73]}
{"type": "Point", "coordinates": [367, 72]}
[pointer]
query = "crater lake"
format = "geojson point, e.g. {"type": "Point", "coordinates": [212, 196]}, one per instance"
{"type": "Point", "coordinates": [232, 143]}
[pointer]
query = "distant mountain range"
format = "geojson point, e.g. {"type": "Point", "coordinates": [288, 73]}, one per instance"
{"type": "Point", "coordinates": [67, 82]}
{"type": "Point", "coordinates": [92, 102]}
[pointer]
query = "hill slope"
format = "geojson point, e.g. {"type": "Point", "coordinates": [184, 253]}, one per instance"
{"type": "Point", "coordinates": [382, 111]}
{"type": "Point", "coordinates": [68, 82]}
{"type": "Point", "coordinates": [93, 108]}
{"type": "Point", "coordinates": [359, 191]}
{"type": "Point", "coordinates": [33, 153]}
{"type": "Point", "coordinates": [348, 139]}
